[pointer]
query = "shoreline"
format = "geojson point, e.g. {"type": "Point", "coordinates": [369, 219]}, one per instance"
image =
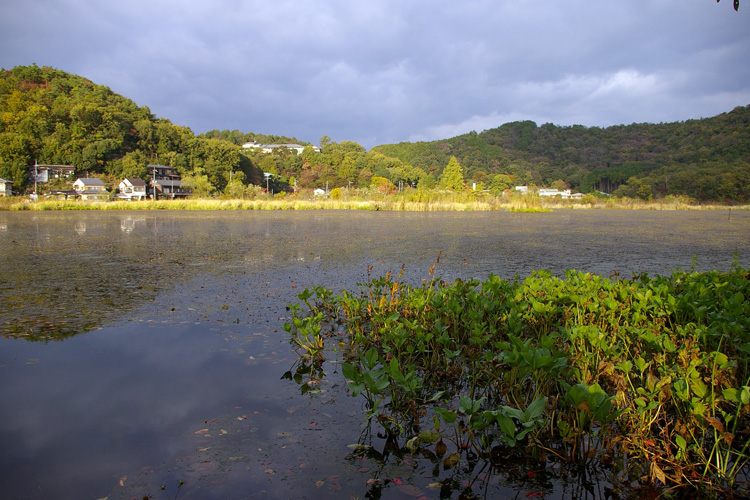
{"type": "Point", "coordinates": [397, 204]}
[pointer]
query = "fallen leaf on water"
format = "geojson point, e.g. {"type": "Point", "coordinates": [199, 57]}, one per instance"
{"type": "Point", "coordinates": [451, 460]}
{"type": "Point", "coordinates": [534, 494]}
{"type": "Point", "coordinates": [370, 481]}
{"type": "Point", "coordinates": [320, 483]}
{"type": "Point", "coordinates": [396, 481]}
{"type": "Point", "coordinates": [201, 431]}
{"type": "Point", "coordinates": [223, 431]}
{"type": "Point", "coordinates": [122, 480]}
{"type": "Point", "coordinates": [408, 489]}
{"type": "Point", "coordinates": [269, 471]}
{"type": "Point", "coordinates": [358, 446]}
{"type": "Point", "coordinates": [435, 486]}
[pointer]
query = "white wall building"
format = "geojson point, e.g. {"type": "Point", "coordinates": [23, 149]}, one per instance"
{"type": "Point", "coordinates": [269, 148]}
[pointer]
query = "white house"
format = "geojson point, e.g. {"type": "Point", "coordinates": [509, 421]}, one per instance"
{"type": "Point", "coordinates": [89, 188]}
{"type": "Point", "coordinates": [132, 189]}
{"type": "Point", "coordinates": [269, 148]}
{"type": "Point", "coordinates": [554, 192]}
{"type": "Point", "coordinates": [5, 187]}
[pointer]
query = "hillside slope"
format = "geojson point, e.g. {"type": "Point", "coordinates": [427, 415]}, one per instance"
{"type": "Point", "coordinates": [708, 159]}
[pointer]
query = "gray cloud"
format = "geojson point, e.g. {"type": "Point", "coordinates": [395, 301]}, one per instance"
{"type": "Point", "coordinates": [392, 71]}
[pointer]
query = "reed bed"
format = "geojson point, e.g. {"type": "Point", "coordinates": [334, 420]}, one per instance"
{"type": "Point", "coordinates": [410, 202]}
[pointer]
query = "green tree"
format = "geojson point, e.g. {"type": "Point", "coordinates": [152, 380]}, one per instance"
{"type": "Point", "coordinates": [199, 183]}
{"type": "Point", "coordinates": [499, 183]}
{"type": "Point", "coordinates": [135, 165]}
{"type": "Point", "coordinates": [235, 188]}
{"type": "Point", "coordinates": [452, 177]}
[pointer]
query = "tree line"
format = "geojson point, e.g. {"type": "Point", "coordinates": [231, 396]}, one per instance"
{"type": "Point", "coordinates": [53, 117]}
{"type": "Point", "coordinates": [706, 159]}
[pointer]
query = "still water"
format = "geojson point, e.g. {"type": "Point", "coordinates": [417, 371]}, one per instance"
{"type": "Point", "coordinates": [142, 349]}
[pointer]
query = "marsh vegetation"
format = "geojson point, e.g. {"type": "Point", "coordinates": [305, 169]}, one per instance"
{"type": "Point", "coordinates": [646, 378]}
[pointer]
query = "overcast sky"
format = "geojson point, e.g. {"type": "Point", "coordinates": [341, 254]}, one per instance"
{"type": "Point", "coordinates": [385, 71]}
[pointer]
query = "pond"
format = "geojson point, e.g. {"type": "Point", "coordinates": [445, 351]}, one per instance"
{"type": "Point", "coordinates": [142, 349]}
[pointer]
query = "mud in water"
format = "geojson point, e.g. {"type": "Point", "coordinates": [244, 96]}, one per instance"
{"type": "Point", "coordinates": [144, 349]}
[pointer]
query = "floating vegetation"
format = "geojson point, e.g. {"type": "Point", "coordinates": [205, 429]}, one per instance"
{"type": "Point", "coordinates": [646, 377]}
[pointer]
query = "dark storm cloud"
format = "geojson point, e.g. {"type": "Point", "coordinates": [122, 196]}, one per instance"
{"type": "Point", "coordinates": [391, 71]}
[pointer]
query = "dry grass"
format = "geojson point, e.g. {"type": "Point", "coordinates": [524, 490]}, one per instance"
{"type": "Point", "coordinates": [428, 202]}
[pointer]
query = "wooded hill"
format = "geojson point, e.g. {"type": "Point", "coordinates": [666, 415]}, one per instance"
{"type": "Point", "coordinates": [53, 117]}
{"type": "Point", "coordinates": [707, 159]}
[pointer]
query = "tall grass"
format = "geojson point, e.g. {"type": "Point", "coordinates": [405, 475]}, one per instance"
{"type": "Point", "coordinates": [410, 201]}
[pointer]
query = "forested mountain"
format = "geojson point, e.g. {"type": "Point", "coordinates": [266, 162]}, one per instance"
{"type": "Point", "coordinates": [52, 117]}
{"type": "Point", "coordinates": [708, 159]}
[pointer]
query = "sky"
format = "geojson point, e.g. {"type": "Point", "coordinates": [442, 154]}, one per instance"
{"type": "Point", "coordinates": [386, 71]}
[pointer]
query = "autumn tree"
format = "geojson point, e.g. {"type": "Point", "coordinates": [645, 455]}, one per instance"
{"type": "Point", "coordinates": [452, 177]}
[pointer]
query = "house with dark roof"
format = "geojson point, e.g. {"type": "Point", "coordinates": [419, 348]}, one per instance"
{"type": "Point", "coordinates": [163, 172]}
{"type": "Point", "coordinates": [132, 189]}
{"type": "Point", "coordinates": [170, 188]}
{"type": "Point", "coordinates": [46, 173]}
{"type": "Point", "coordinates": [89, 188]}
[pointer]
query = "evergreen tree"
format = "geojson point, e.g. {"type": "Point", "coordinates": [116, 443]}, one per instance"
{"type": "Point", "coordinates": [452, 177]}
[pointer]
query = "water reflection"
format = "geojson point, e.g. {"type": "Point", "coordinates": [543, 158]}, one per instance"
{"type": "Point", "coordinates": [130, 224]}
{"type": "Point", "coordinates": [179, 374]}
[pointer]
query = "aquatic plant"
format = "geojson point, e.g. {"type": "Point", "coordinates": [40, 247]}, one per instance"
{"type": "Point", "coordinates": [650, 374]}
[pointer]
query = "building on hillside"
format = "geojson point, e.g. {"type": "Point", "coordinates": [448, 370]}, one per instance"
{"type": "Point", "coordinates": [166, 181]}
{"type": "Point", "coordinates": [170, 188]}
{"type": "Point", "coordinates": [270, 148]}
{"type": "Point", "coordinates": [61, 194]}
{"type": "Point", "coordinates": [46, 173]}
{"type": "Point", "coordinates": [132, 189]}
{"type": "Point", "coordinates": [163, 172]}
{"type": "Point", "coordinates": [89, 189]}
{"type": "Point", "coordinates": [5, 187]}
{"type": "Point", "coordinates": [554, 192]}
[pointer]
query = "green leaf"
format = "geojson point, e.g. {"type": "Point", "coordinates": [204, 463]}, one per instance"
{"type": "Point", "coordinates": [507, 426]}
{"type": "Point", "coordinates": [536, 408]}
{"type": "Point", "coordinates": [745, 395]}
{"type": "Point", "coordinates": [732, 395]}
{"type": "Point", "coordinates": [447, 415]}
{"type": "Point", "coordinates": [429, 436]}
{"type": "Point", "coordinates": [680, 441]}
{"type": "Point", "coordinates": [350, 372]}
{"type": "Point", "coordinates": [371, 358]}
